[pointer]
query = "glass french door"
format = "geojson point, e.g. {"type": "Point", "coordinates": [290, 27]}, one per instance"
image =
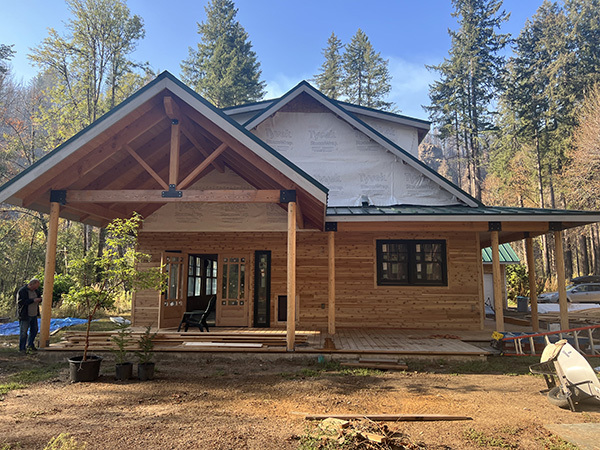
{"type": "Point", "coordinates": [172, 301]}
{"type": "Point", "coordinates": [232, 309]}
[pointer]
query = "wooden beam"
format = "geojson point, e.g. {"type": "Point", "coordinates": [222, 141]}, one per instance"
{"type": "Point", "coordinates": [188, 180]}
{"type": "Point", "coordinates": [187, 132]}
{"type": "Point", "coordinates": [145, 165]}
{"type": "Point", "coordinates": [92, 158]}
{"type": "Point", "coordinates": [535, 323]}
{"type": "Point", "coordinates": [171, 109]}
{"type": "Point", "coordinates": [560, 278]}
{"type": "Point", "coordinates": [49, 269]}
{"type": "Point", "coordinates": [291, 277]}
{"type": "Point", "coordinates": [188, 196]}
{"type": "Point", "coordinates": [498, 300]}
{"type": "Point", "coordinates": [173, 112]}
{"type": "Point", "coordinates": [480, 288]}
{"type": "Point", "coordinates": [174, 154]}
{"type": "Point", "coordinates": [331, 283]}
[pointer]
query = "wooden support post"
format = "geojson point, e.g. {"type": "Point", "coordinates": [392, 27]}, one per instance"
{"type": "Point", "coordinates": [535, 323]}
{"type": "Point", "coordinates": [498, 300]}
{"type": "Point", "coordinates": [291, 277]}
{"type": "Point", "coordinates": [49, 268]}
{"type": "Point", "coordinates": [174, 155]}
{"type": "Point", "coordinates": [560, 277]}
{"type": "Point", "coordinates": [331, 287]}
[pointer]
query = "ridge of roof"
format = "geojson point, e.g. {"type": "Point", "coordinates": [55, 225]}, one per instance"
{"type": "Point", "coordinates": [304, 86]}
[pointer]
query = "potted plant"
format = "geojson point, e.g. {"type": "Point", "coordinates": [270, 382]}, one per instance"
{"type": "Point", "coordinates": [123, 368]}
{"type": "Point", "coordinates": [99, 279]}
{"type": "Point", "coordinates": [145, 354]}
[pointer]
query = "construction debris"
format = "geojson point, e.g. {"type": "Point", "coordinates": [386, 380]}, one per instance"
{"type": "Point", "coordinates": [361, 434]}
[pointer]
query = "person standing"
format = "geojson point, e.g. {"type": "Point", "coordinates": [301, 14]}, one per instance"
{"type": "Point", "coordinates": [28, 310]}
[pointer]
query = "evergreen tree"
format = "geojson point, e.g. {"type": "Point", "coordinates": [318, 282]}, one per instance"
{"type": "Point", "coordinates": [471, 80]}
{"type": "Point", "coordinates": [224, 68]}
{"type": "Point", "coordinates": [329, 80]}
{"type": "Point", "coordinates": [366, 75]}
{"type": "Point", "coordinates": [6, 53]}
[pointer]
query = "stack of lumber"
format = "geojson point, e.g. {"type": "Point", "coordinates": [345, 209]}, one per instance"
{"type": "Point", "coordinates": [190, 341]}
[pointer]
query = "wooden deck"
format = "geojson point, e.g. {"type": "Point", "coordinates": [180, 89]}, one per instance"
{"type": "Point", "coordinates": [401, 343]}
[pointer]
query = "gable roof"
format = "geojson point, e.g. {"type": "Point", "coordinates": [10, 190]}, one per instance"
{"type": "Point", "coordinates": [147, 103]}
{"type": "Point", "coordinates": [164, 81]}
{"type": "Point", "coordinates": [340, 111]}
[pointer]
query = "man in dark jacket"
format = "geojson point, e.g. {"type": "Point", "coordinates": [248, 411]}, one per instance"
{"type": "Point", "coordinates": [28, 310]}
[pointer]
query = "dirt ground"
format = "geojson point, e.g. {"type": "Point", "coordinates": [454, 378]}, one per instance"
{"type": "Point", "coordinates": [210, 402]}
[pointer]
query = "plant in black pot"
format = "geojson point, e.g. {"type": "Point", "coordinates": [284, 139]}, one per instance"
{"type": "Point", "coordinates": [145, 354]}
{"type": "Point", "coordinates": [123, 368]}
{"type": "Point", "coordinates": [100, 279]}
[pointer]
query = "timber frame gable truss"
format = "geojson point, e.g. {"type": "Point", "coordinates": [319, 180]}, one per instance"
{"type": "Point", "coordinates": [149, 151]}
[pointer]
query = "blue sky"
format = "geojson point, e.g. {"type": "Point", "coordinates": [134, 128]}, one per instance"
{"type": "Point", "coordinates": [288, 36]}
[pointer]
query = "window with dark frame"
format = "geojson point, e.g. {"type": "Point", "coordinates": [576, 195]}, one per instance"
{"type": "Point", "coordinates": [402, 262]}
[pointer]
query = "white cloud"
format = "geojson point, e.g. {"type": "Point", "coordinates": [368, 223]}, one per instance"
{"type": "Point", "coordinates": [283, 83]}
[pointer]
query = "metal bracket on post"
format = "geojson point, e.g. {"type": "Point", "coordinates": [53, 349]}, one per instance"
{"type": "Point", "coordinates": [331, 226]}
{"type": "Point", "coordinates": [555, 226]}
{"type": "Point", "coordinates": [58, 197]}
{"type": "Point", "coordinates": [494, 226]}
{"type": "Point", "coordinates": [171, 193]}
{"type": "Point", "coordinates": [287, 196]}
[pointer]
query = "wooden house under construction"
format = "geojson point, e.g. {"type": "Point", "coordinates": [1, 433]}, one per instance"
{"type": "Point", "coordinates": [295, 212]}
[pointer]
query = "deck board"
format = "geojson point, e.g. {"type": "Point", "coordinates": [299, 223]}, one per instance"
{"type": "Point", "coordinates": [346, 341]}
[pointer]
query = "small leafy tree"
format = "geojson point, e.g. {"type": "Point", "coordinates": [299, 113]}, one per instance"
{"type": "Point", "coordinates": [98, 280]}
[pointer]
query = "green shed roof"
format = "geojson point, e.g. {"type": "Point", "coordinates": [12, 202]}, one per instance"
{"type": "Point", "coordinates": [507, 255]}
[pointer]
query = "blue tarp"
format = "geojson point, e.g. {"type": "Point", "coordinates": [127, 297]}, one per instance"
{"type": "Point", "coordinates": [12, 328]}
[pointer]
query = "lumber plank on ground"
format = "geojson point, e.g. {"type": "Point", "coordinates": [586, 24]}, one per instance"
{"type": "Point", "coordinates": [389, 417]}
{"type": "Point", "coordinates": [380, 366]}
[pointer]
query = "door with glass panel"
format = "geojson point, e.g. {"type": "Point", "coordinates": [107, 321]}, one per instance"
{"type": "Point", "coordinates": [201, 282]}
{"type": "Point", "coordinates": [232, 305]}
{"type": "Point", "coordinates": [172, 300]}
{"type": "Point", "coordinates": [262, 289]}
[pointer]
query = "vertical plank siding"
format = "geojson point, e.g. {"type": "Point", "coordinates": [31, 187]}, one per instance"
{"type": "Point", "coordinates": [359, 301]}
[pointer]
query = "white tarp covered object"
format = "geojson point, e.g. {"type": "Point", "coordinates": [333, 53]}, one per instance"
{"type": "Point", "coordinates": [349, 163]}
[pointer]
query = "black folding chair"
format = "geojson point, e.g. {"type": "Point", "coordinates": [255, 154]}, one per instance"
{"type": "Point", "coordinates": [197, 318]}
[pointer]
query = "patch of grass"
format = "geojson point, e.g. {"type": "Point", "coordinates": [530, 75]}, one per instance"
{"type": "Point", "coordinates": [554, 442]}
{"type": "Point", "coordinates": [10, 386]}
{"type": "Point", "coordinates": [22, 379]}
{"type": "Point", "coordinates": [36, 375]}
{"type": "Point", "coordinates": [484, 440]}
{"type": "Point", "coordinates": [65, 441]}
{"type": "Point", "coordinates": [361, 372]}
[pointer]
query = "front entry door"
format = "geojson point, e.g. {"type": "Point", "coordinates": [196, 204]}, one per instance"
{"type": "Point", "coordinates": [262, 289]}
{"type": "Point", "coordinates": [172, 301]}
{"type": "Point", "coordinates": [202, 281]}
{"type": "Point", "coordinates": [232, 307]}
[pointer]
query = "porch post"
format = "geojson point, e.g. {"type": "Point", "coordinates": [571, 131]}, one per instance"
{"type": "Point", "coordinates": [535, 324]}
{"type": "Point", "coordinates": [331, 287]}
{"type": "Point", "coordinates": [291, 277]}
{"type": "Point", "coordinates": [49, 268]}
{"type": "Point", "coordinates": [498, 300]}
{"type": "Point", "coordinates": [560, 276]}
